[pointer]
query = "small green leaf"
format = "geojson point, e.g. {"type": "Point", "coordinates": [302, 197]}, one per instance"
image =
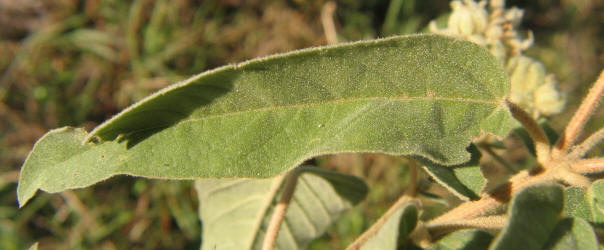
{"type": "Point", "coordinates": [235, 212]}
{"type": "Point", "coordinates": [465, 180]}
{"type": "Point", "coordinates": [595, 198]}
{"type": "Point", "coordinates": [421, 95]}
{"type": "Point", "coordinates": [575, 203]}
{"type": "Point", "coordinates": [533, 215]}
{"type": "Point", "coordinates": [396, 229]}
{"type": "Point", "coordinates": [572, 234]}
{"type": "Point", "coordinates": [470, 239]}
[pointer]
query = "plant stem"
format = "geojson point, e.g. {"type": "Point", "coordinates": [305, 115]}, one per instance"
{"type": "Point", "coordinates": [542, 147]}
{"type": "Point", "coordinates": [279, 213]}
{"type": "Point", "coordinates": [587, 145]}
{"type": "Point", "coordinates": [576, 124]}
{"type": "Point", "coordinates": [495, 199]}
{"type": "Point", "coordinates": [588, 166]}
{"type": "Point", "coordinates": [373, 230]}
{"type": "Point", "coordinates": [488, 223]}
{"type": "Point", "coordinates": [327, 21]}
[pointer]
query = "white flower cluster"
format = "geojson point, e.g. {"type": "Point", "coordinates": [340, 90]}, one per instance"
{"type": "Point", "coordinates": [495, 28]}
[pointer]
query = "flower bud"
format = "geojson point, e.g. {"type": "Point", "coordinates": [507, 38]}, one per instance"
{"type": "Point", "coordinates": [468, 18]}
{"type": "Point", "coordinates": [548, 100]}
{"type": "Point", "coordinates": [526, 74]}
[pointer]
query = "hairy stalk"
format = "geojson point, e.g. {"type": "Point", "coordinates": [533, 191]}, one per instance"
{"type": "Point", "coordinates": [588, 166]}
{"type": "Point", "coordinates": [279, 213]}
{"type": "Point", "coordinates": [542, 147]}
{"type": "Point", "coordinates": [493, 200]}
{"type": "Point", "coordinates": [587, 145]}
{"type": "Point", "coordinates": [407, 197]}
{"type": "Point", "coordinates": [576, 124]}
{"type": "Point", "coordinates": [570, 178]}
{"type": "Point", "coordinates": [329, 28]}
{"type": "Point", "coordinates": [488, 223]}
{"type": "Point", "coordinates": [373, 230]}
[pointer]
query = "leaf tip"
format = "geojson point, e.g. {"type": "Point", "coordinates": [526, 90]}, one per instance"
{"type": "Point", "coordinates": [23, 196]}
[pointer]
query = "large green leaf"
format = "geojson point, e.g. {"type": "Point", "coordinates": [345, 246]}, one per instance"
{"type": "Point", "coordinates": [235, 212]}
{"type": "Point", "coordinates": [534, 213]}
{"type": "Point", "coordinates": [572, 234]}
{"type": "Point", "coordinates": [470, 239]}
{"type": "Point", "coordinates": [423, 95]}
{"type": "Point", "coordinates": [398, 226]}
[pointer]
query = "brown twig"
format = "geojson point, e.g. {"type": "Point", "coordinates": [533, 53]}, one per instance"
{"type": "Point", "coordinates": [495, 199]}
{"type": "Point", "coordinates": [576, 124]}
{"type": "Point", "coordinates": [487, 223]}
{"type": "Point", "coordinates": [270, 239]}
{"type": "Point", "coordinates": [588, 166]}
{"type": "Point", "coordinates": [587, 145]}
{"type": "Point", "coordinates": [542, 147]}
{"type": "Point", "coordinates": [327, 21]}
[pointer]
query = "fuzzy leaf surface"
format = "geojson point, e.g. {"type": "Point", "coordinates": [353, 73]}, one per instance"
{"type": "Point", "coordinates": [422, 95]}
{"type": "Point", "coordinates": [235, 212]}
{"type": "Point", "coordinates": [464, 181]}
{"type": "Point", "coordinates": [588, 205]}
{"type": "Point", "coordinates": [572, 234]}
{"type": "Point", "coordinates": [470, 239]}
{"type": "Point", "coordinates": [595, 198]}
{"type": "Point", "coordinates": [575, 203]}
{"type": "Point", "coordinates": [533, 215]}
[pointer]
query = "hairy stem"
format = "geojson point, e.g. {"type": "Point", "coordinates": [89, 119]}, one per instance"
{"type": "Point", "coordinates": [375, 228]}
{"type": "Point", "coordinates": [487, 223]}
{"type": "Point", "coordinates": [588, 166]}
{"type": "Point", "coordinates": [495, 199]}
{"type": "Point", "coordinates": [542, 147]}
{"type": "Point", "coordinates": [279, 213]}
{"type": "Point", "coordinates": [576, 124]}
{"type": "Point", "coordinates": [587, 145]}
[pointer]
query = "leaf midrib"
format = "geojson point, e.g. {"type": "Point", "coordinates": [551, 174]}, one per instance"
{"type": "Point", "coordinates": [337, 101]}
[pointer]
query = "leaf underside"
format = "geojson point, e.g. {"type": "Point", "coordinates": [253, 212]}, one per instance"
{"type": "Point", "coordinates": [398, 226]}
{"type": "Point", "coordinates": [534, 213]}
{"type": "Point", "coordinates": [469, 239]}
{"type": "Point", "coordinates": [422, 95]}
{"type": "Point", "coordinates": [464, 181]}
{"type": "Point", "coordinates": [235, 212]}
